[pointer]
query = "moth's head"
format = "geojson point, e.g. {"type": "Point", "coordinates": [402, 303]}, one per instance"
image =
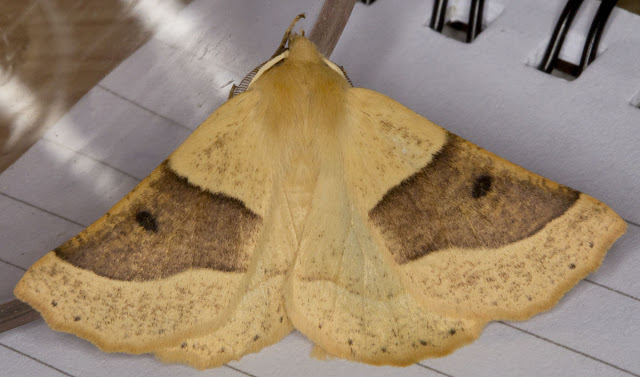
{"type": "Point", "coordinates": [295, 53]}
{"type": "Point", "coordinates": [303, 50]}
{"type": "Point", "coordinates": [300, 53]}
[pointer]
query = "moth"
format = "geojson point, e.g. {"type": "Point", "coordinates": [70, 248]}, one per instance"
{"type": "Point", "coordinates": [305, 203]}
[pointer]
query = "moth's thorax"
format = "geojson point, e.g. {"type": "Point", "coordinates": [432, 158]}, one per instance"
{"type": "Point", "coordinates": [302, 95]}
{"type": "Point", "coordinates": [301, 113]}
{"type": "Point", "coordinates": [302, 110]}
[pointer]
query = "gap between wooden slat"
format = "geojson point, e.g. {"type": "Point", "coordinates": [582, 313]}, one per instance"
{"type": "Point", "coordinates": [570, 349]}
{"type": "Point", "coordinates": [36, 360]}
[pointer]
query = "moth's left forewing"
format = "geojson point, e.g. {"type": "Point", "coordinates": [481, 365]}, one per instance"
{"type": "Point", "coordinates": [470, 233]}
{"type": "Point", "coordinates": [225, 158]}
{"type": "Point", "coordinates": [259, 319]}
{"type": "Point", "coordinates": [179, 256]}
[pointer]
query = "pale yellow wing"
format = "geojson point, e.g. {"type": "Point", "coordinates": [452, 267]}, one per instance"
{"type": "Point", "coordinates": [343, 292]}
{"type": "Point", "coordinates": [420, 235]}
{"type": "Point", "coordinates": [177, 255]}
{"type": "Point", "coordinates": [259, 319]}
{"type": "Point", "coordinates": [474, 235]}
{"type": "Point", "coordinates": [344, 295]}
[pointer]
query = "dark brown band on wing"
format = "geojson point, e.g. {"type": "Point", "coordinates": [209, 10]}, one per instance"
{"type": "Point", "coordinates": [466, 198]}
{"type": "Point", "coordinates": [168, 227]}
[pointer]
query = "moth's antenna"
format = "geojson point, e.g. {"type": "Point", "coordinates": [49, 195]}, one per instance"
{"type": "Point", "coordinates": [287, 36]}
{"type": "Point", "coordinates": [244, 84]}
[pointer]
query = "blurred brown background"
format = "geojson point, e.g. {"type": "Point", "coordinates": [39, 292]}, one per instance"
{"type": "Point", "coordinates": [52, 52]}
{"type": "Point", "coordinates": [630, 5]}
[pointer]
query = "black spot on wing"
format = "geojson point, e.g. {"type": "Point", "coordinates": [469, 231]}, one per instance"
{"type": "Point", "coordinates": [481, 186]}
{"type": "Point", "coordinates": [146, 220]}
{"type": "Point", "coordinates": [466, 198]}
{"type": "Point", "coordinates": [185, 227]}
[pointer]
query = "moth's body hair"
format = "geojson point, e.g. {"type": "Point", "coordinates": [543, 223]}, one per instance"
{"type": "Point", "coordinates": [302, 116]}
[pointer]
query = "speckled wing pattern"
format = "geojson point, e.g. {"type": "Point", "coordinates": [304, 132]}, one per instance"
{"type": "Point", "coordinates": [476, 236]}
{"type": "Point", "coordinates": [306, 203]}
{"type": "Point", "coordinates": [419, 238]}
{"type": "Point", "coordinates": [430, 238]}
{"type": "Point", "coordinates": [171, 267]}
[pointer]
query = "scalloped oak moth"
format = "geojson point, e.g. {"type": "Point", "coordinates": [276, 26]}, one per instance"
{"type": "Point", "coordinates": [306, 203]}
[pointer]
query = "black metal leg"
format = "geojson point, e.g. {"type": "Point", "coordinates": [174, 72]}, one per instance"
{"type": "Point", "coordinates": [595, 32]}
{"type": "Point", "coordinates": [559, 33]}
{"type": "Point", "coordinates": [437, 16]}
{"type": "Point", "coordinates": [475, 20]}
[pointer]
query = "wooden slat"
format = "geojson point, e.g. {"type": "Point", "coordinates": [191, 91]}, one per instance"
{"type": "Point", "coordinates": [330, 23]}
{"type": "Point", "coordinates": [16, 313]}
